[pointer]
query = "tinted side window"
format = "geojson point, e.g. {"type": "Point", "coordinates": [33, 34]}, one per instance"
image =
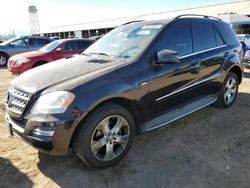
{"type": "Point", "coordinates": [179, 39]}
{"type": "Point", "coordinates": [204, 36]}
{"type": "Point", "coordinates": [69, 46]}
{"type": "Point", "coordinates": [42, 41]}
{"type": "Point", "coordinates": [219, 39]}
{"type": "Point", "coordinates": [30, 41]}
{"type": "Point", "coordinates": [228, 33]}
{"type": "Point", "coordinates": [18, 42]}
{"type": "Point", "coordinates": [84, 44]}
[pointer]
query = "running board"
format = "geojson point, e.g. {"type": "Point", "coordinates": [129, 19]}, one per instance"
{"type": "Point", "coordinates": [179, 113]}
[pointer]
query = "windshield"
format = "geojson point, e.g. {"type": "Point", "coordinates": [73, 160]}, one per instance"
{"type": "Point", "coordinates": [51, 46]}
{"type": "Point", "coordinates": [125, 41]}
{"type": "Point", "coordinates": [7, 42]}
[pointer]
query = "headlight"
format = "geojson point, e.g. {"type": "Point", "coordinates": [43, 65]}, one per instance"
{"type": "Point", "coordinates": [53, 103]}
{"type": "Point", "coordinates": [22, 61]}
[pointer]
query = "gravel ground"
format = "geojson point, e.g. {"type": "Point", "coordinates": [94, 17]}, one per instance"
{"type": "Point", "coordinates": [209, 148]}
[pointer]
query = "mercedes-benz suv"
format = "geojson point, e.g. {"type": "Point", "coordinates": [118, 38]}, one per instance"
{"type": "Point", "coordinates": [138, 77]}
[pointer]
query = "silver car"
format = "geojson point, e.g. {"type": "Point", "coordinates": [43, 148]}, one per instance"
{"type": "Point", "coordinates": [19, 45]}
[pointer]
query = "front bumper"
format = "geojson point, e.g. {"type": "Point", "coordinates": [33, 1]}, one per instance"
{"type": "Point", "coordinates": [17, 69]}
{"type": "Point", "coordinates": [54, 143]}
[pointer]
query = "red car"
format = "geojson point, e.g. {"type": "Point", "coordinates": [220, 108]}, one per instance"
{"type": "Point", "coordinates": [53, 51]}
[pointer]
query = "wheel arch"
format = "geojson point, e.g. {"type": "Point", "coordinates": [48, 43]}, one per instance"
{"type": "Point", "coordinates": [238, 71]}
{"type": "Point", "coordinates": [2, 52]}
{"type": "Point", "coordinates": [37, 63]}
{"type": "Point", "coordinates": [124, 102]}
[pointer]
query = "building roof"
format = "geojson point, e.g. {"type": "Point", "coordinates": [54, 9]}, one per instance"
{"type": "Point", "coordinates": [102, 24]}
{"type": "Point", "coordinates": [239, 7]}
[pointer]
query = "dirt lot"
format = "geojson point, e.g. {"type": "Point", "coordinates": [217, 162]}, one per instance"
{"type": "Point", "coordinates": [210, 148]}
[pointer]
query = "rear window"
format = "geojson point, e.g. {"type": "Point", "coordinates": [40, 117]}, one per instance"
{"type": "Point", "coordinates": [219, 39]}
{"type": "Point", "coordinates": [42, 41]}
{"type": "Point", "coordinates": [228, 34]}
{"type": "Point", "coordinates": [205, 36]}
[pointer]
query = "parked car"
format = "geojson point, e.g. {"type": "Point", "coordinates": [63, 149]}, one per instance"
{"type": "Point", "coordinates": [19, 45]}
{"type": "Point", "coordinates": [138, 77]}
{"type": "Point", "coordinates": [245, 42]}
{"type": "Point", "coordinates": [245, 38]}
{"type": "Point", "coordinates": [246, 61]}
{"type": "Point", "coordinates": [55, 50]}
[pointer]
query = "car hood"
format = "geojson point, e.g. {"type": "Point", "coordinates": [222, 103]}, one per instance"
{"type": "Point", "coordinates": [28, 55]}
{"type": "Point", "coordinates": [78, 67]}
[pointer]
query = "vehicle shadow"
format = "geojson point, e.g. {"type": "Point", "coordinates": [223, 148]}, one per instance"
{"type": "Point", "coordinates": [192, 151]}
{"type": "Point", "coordinates": [10, 176]}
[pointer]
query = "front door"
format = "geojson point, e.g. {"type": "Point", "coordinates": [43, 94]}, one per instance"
{"type": "Point", "coordinates": [17, 46]}
{"type": "Point", "coordinates": [69, 49]}
{"type": "Point", "coordinates": [173, 84]}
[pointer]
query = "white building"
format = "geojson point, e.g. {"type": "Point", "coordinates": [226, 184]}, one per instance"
{"type": "Point", "coordinates": [236, 13]}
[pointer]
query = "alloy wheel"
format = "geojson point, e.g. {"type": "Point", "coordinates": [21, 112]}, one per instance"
{"type": "Point", "coordinates": [230, 90]}
{"type": "Point", "coordinates": [2, 60]}
{"type": "Point", "coordinates": [110, 138]}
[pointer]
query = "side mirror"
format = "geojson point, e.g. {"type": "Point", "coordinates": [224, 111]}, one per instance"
{"type": "Point", "coordinates": [167, 56]}
{"type": "Point", "coordinates": [58, 50]}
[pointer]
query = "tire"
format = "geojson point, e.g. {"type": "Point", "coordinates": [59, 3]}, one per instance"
{"type": "Point", "coordinates": [105, 136]}
{"type": "Point", "coordinates": [229, 88]}
{"type": "Point", "coordinates": [3, 59]}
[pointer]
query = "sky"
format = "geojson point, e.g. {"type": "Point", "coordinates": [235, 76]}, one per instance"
{"type": "Point", "coordinates": [14, 14]}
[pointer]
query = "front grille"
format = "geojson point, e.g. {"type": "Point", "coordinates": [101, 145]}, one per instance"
{"type": "Point", "coordinates": [17, 101]}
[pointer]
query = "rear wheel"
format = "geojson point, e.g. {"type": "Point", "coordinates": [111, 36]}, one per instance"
{"type": "Point", "coordinates": [3, 59]}
{"type": "Point", "coordinates": [106, 136]}
{"type": "Point", "coordinates": [229, 90]}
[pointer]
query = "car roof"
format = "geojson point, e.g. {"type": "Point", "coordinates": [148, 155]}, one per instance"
{"type": "Point", "coordinates": [85, 39]}
{"type": "Point", "coordinates": [183, 17]}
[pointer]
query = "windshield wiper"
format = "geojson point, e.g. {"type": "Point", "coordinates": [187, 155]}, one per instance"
{"type": "Point", "coordinates": [85, 54]}
{"type": "Point", "coordinates": [101, 53]}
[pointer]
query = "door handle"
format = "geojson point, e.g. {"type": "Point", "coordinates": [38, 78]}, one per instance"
{"type": "Point", "coordinates": [226, 54]}
{"type": "Point", "coordinates": [195, 68]}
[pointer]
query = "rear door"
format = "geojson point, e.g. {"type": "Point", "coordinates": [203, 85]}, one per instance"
{"type": "Point", "coordinates": [40, 42]}
{"type": "Point", "coordinates": [31, 44]}
{"type": "Point", "coordinates": [172, 84]}
{"type": "Point", "coordinates": [212, 51]}
{"type": "Point", "coordinates": [17, 46]}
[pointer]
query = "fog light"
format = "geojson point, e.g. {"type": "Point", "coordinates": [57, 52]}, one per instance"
{"type": "Point", "coordinates": [44, 131]}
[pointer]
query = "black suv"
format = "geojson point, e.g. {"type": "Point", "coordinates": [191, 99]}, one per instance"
{"type": "Point", "coordinates": [140, 76]}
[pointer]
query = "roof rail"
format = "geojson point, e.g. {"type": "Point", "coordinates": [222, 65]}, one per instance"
{"type": "Point", "coordinates": [134, 21]}
{"type": "Point", "coordinates": [196, 15]}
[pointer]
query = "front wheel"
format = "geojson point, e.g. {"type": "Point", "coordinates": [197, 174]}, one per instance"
{"type": "Point", "coordinates": [229, 90]}
{"type": "Point", "coordinates": [3, 60]}
{"type": "Point", "coordinates": [105, 136]}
